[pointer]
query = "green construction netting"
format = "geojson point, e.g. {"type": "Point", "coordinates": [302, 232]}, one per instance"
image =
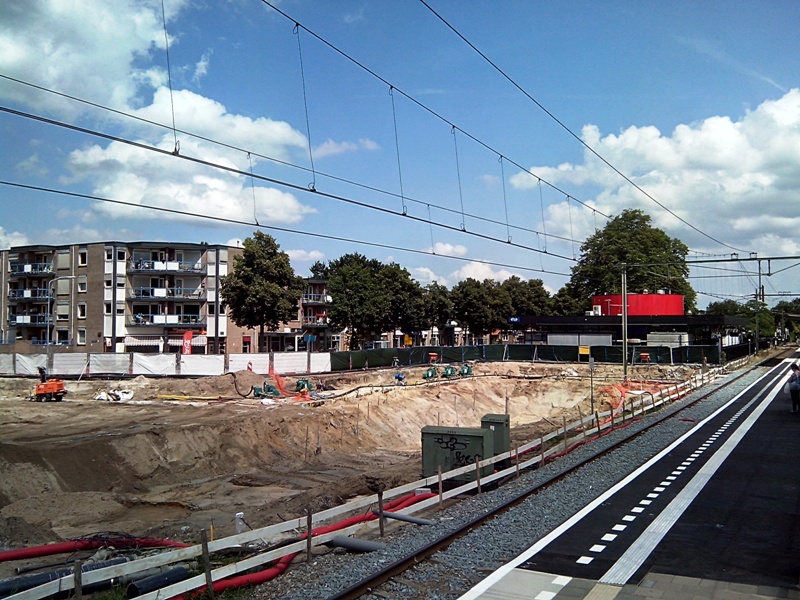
{"type": "Point", "coordinates": [423, 355]}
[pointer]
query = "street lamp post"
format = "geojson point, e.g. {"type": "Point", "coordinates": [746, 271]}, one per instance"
{"type": "Point", "coordinates": [50, 293]}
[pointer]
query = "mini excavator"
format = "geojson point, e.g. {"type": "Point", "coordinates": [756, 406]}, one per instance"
{"type": "Point", "coordinates": [49, 390]}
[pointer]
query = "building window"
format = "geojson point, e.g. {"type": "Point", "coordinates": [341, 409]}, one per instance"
{"type": "Point", "coordinates": [107, 308]}
{"type": "Point", "coordinates": [62, 312]}
{"type": "Point", "coordinates": [83, 258]}
{"type": "Point", "coordinates": [120, 309]}
{"type": "Point", "coordinates": [107, 282]}
{"type": "Point", "coordinates": [82, 310]}
{"type": "Point", "coordinates": [121, 283]}
{"type": "Point", "coordinates": [121, 256]}
{"type": "Point", "coordinates": [82, 285]}
{"type": "Point", "coordinates": [211, 309]}
{"type": "Point", "coordinates": [81, 337]}
{"type": "Point", "coordinates": [109, 253]}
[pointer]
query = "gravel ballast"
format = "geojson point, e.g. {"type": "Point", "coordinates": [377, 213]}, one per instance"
{"type": "Point", "coordinates": [472, 557]}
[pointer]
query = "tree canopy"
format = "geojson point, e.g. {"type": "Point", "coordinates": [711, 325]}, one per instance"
{"type": "Point", "coordinates": [262, 290]}
{"type": "Point", "coordinates": [654, 261]}
{"type": "Point", "coordinates": [481, 306]}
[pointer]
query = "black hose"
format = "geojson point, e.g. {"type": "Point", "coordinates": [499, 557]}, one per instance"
{"type": "Point", "coordinates": [156, 582]}
{"type": "Point", "coordinates": [236, 386]}
{"type": "Point", "coordinates": [14, 585]}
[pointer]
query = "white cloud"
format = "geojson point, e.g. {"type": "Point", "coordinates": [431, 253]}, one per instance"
{"type": "Point", "coordinates": [32, 166]}
{"type": "Point", "coordinates": [305, 255]}
{"type": "Point", "coordinates": [94, 43]}
{"type": "Point", "coordinates": [729, 178]}
{"type": "Point", "coordinates": [12, 238]}
{"type": "Point", "coordinates": [129, 174]}
{"type": "Point", "coordinates": [210, 119]}
{"type": "Point", "coordinates": [710, 50]}
{"type": "Point", "coordinates": [201, 67]}
{"type": "Point", "coordinates": [332, 148]}
{"type": "Point", "coordinates": [425, 276]}
{"type": "Point", "coordinates": [443, 249]}
{"type": "Point", "coordinates": [481, 271]}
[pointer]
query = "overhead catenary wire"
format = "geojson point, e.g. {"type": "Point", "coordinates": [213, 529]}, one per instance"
{"type": "Point", "coordinates": [313, 184]}
{"type": "Point", "coordinates": [272, 180]}
{"type": "Point", "coordinates": [273, 227]}
{"type": "Point", "coordinates": [422, 203]}
{"type": "Point", "coordinates": [568, 130]}
{"type": "Point", "coordinates": [422, 105]}
{"type": "Point", "coordinates": [169, 79]}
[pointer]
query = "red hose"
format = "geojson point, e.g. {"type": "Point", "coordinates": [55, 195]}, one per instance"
{"type": "Point", "coordinates": [87, 544]}
{"type": "Point", "coordinates": [283, 563]}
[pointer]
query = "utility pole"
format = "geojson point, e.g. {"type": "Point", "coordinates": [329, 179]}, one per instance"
{"type": "Point", "coordinates": [624, 322]}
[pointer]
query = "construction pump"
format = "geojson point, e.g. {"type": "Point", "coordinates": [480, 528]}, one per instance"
{"type": "Point", "coordinates": [49, 390]}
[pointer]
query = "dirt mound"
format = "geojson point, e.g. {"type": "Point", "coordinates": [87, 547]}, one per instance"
{"type": "Point", "coordinates": [185, 454]}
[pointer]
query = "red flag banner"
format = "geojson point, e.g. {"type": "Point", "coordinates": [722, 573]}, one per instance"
{"type": "Point", "coordinates": [187, 343]}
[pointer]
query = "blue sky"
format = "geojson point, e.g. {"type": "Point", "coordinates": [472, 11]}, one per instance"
{"type": "Point", "coordinates": [698, 104]}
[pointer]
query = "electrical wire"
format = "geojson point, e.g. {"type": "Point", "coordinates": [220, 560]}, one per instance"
{"type": "Point", "coordinates": [272, 180]}
{"type": "Point", "coordinates": [400, 196]}
{"type": "Point", "coordinates": [185, 213]}
{"type": "Point", "coordinates": [568, 130]}
{"type": "Point", "coordinates": [426, 108]}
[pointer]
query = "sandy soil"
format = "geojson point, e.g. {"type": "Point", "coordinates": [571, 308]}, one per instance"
{"type": "Point", "coordinates": [185, 454]}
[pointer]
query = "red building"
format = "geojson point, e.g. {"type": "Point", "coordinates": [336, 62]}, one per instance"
{"type": "Point", "coordinates": [639, 305]}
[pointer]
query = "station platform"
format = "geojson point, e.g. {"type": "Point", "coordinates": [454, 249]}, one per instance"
{"type": "Point", "coordinates": [714, 516]}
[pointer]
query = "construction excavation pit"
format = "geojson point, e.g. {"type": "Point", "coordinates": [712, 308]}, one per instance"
{"type": "Point", "coordinates": [170, 458]}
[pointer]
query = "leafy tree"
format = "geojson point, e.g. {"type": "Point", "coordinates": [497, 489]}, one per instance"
{"type": "Point", "coordinates": [262, 291]}
{"type": "Point", "coordinates": [319, 270]}
{"type": "Point", "coordinates": [482, 307]}
{"type": "Point", "coordinates": [360, 302]}
{"type": "Point", "coordinates": [527, 297]}
{"type": "Point", "coordinates": [762, 321]}
{"type": "Point", "coordinates": [437, 308]}
{"type": "Point", "coordinates": [567, 302]}
{"type": "Point", "coordinates": [405, 311]}
{"type": "Point", "coordinates": [789, 314]}
{"type": "Point", "coordinates": [727, 307]}
{"type": "Point", "coordinates": [630, 239]}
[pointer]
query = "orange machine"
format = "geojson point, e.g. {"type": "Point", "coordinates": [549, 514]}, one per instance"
{"type": "Point", "coordinates": [49, 390]}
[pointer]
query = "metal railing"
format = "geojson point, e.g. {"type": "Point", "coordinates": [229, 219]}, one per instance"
{"type": "Point", "coordinates": [159, 293]}
{"type": "Point", "coordinates": [28, 268]}
{"type": "Point", "coordinates": [145, 265]}
{"type": "Point", "coordinates": [29, 294]}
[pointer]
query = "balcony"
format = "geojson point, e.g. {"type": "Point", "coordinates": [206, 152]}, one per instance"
{"type": "Point", "coordinates": [177, 293]}
{"type": "Point", "coordinates": [316, 299]}
{"type": "Point", "coordinates": [318, 321]}
{"type": "Point", "coordinates": [31, 268]}
{"type": "Point", "coordinates": [40, 293]}
{"type": "Point", "coordinates": [29, 320]}
{"type": "Point", "coordinates": [146, 320]}
{"type": "Point", "coordinates": [165, 266]}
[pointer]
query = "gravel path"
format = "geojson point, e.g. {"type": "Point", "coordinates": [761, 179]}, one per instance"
{"type": "Point", "coordinates": [472, 557]}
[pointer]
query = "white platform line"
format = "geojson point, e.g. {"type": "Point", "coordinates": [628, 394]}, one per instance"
{"type": "Point", "coordinates": [638, 552]}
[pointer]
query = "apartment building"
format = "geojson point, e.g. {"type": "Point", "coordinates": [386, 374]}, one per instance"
{"type": "Point", "coordinates": [137, 297]}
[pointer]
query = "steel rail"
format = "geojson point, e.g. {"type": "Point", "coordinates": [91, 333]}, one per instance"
{"type": "Point", "coordinates": [369, 584]}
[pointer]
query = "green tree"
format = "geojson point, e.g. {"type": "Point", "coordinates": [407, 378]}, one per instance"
{"type": "Point", "coordinates": [262, 291]}
{"type": "Point", "coordinates": [762, 321]}
{"type": "Point", "coordinates": [482, 307]}
{"type": "Point", "coordinates": [437, 309]}
{"type": "Point", "coordinates": [359, 300]}
{"type": "Point", "coordinates": [528, 298]}
{"type": "Point", "coordinates": [405, 310]}
{"type": "Point", "coordinates": [730, 308]}
{"type": "Point", "coordinates": [567, 302]}
{"type": "Point", "coordinates": [655, 261]}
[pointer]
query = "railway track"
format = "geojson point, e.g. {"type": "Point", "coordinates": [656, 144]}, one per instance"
{"type": "Point", "coordinates": [383, 582]}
